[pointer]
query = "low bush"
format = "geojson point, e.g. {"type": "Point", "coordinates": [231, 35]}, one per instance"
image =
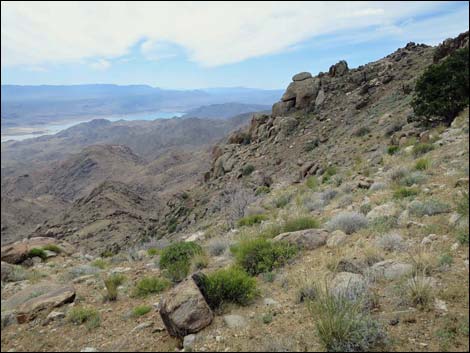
{"type": "Point", "coordinates": [141, 310]}
{"type": "Point", "coordinates": [282, 201]}
{"type": "Point", "coordinates": [414, 178]}
{"type": "Point", "coordinates": [312, 182]}
{"type": "Point", "coordinates": [420, 292]}
{"type": "Point", "coordinates": [176, 259]}
{"type": "Point", "coordinates": [422, 148]}
{"type": "Point", "coordinates": [37, 252]}
{"type": "Point", "coordinates": [247, 170]}
{"type": "Point", "coordinates": [111, 284]}
{"type": "Point", "coordinates": [217, 247]}
{"type": "Point", "coordinates": [390, 242]}
{"type": "Point", "coordinates": [422, 164]}
{"type": "Point", "coordinates": [300, 223]}
{"type": "Point", "coordinates": [329, 172]}
{"type": "Point", "coordinates": [342, 325]}
{"type": "Point", "coordinates": [383, 224]}
{"type": "Point", "coordinates": [153, 252]}
{"type": "Point", "coordinates": [99, 263]}
{"type": "Point", "coordinates": [53, 248]}
{"type": "Point", "coordinates": [231, 285]}
{"type": "Point", "coordinates": [83, 315]}
{"type": "Point", "coordinates": [150, 285]}
{"type": "Point", "coordinates": [429, 207]}
{"type": "Point", "coordinates": [405, 192]}
{"type": "Point", "coordinates": [251, 220]}
{"type": "Point", "coordinates": [391, 150]}
{"type": "Point", "coordinates": [260, 255]}
{"type": "Point", "coordinates": [348, 222]}
{"type": "Point", "coordinates": [262, 190]}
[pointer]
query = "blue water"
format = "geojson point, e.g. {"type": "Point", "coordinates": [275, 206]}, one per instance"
{"type": "Point", "coordinates": [51, 129]}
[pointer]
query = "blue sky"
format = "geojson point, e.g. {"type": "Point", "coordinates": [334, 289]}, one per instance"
{"type": "Point", "coordinates": [197, 45]}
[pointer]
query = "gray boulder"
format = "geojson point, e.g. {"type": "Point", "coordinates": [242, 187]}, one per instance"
{"type": "Point", "coordinates": [308, 239]}
{"type": "Point", "coordinates": [301, 76]}
{"type": "Point", "coordinates": [184, 309]}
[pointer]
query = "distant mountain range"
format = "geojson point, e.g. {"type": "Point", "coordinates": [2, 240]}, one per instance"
{"type": "Point", "coordinates": [225, 110]}
{"type": "Point", "coordinates": [27, 105]}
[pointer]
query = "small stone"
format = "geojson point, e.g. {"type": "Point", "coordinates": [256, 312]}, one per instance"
{"type": "Point", "coordinates": [54, 315]}
{"type": "Point", "coordinates": [270, 302]}
{"type": "Point", "coordinates": [89, 349]}
{"type": "Point", "coordinates": [142, 326]}
{"type": "Point", "coordinates": [440, 305]}
{"type": "Point", "coordinates": [188, 342]}
{"type": "Point", "coordinates": [454, 246]}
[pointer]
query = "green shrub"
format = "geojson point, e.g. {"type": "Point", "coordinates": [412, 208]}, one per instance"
{"type": "Point", "coordinates": [84, 315]}
{"type": "Point", "coordinates": [342, 325]}
{"type": "Point", "coordinates": [112, 283]}
{"type": "Point", "coordinates": [247, 170]}
{"type": "Point", "coordinates": [251, 220]}
{"type": "Point", "coordinates": [267, 318]}
{"type": "Point", "coordinates": [231, 285]}
{"type": "Point", "coordinates": [446, 259]}
{"type": "Point", "coordinates": [329, 172]}
{"type": "Point", "coordinates": [153, 252]}
{"type": "Point", "coordinates": [391, 150]}
{"type": "Point", "coordinates": [262, 190]}
{"type": "Point", "coordinates": [383, 224]}
{"type": "Point", "coordinates": [141, 310]}
{"type": "Point", "coordinates": [422, 164]}
{"type": "Point", "coordinates": [419, 292]}
{"type": "Point", "coordinates": [463, 205]}
{"type": "Point", "coordinates": [312, 182]}
{"type": "Point", "coordinates": [36, 252]}
{"type": "Point", "coordinates": [260, 255]}
{"type": "Point", "coordinates": [300, 223]}
{"type": "Point", "coordinates": [422, 148]}
{"type": "Point", "coordinates": [52, 247]}
{"type": "Point", "coordinates": [404, 192]}
{"type": "Point", "coordinates": [271, 231]}
{"type": "Point", "coordinates": [443, 90]}
{"type": "Point", "coordinates": [99, 263]}
{"type": "Point", "coordinates": [176, 259]}
{"type": "Point", "coordinates": [282, 201]}
{"type": "Point", "coordinates": [414, 178]}
{"type": "Point", "coordinates": [150, 285]}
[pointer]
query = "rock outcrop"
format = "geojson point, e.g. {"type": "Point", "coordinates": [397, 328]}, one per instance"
{"type": "Point", "coordinates": [17, 252]}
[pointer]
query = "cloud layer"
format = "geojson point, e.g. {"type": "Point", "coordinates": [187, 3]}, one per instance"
{"type": "Point", "coordinates": [210, 34]}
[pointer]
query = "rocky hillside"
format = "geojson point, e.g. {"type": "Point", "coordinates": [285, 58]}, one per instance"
{"type": "Point", "coordinates": [336, 223]}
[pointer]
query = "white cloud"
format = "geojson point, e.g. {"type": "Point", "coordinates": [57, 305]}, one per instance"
{"type": "Point", "coordinates": [100, 64]}
{"type": "Point", "coordinates": [211, 34]}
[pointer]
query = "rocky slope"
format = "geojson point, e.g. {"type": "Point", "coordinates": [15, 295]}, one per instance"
{"type": "Point", "coordinates": [376, 205]}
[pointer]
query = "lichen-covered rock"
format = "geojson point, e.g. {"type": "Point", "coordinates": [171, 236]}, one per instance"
{"type": "Point", "coordinates": [390, 269]}
{"type": "Point", "coordinates": [184, 309]}
{"type": "Point", "coordinates": [352, 286]}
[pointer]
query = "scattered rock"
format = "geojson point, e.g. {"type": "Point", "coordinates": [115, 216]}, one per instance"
{"type": "Point", "coordinates": [309, 239]}
{"type": "Point", "coordinates": [184, 309]}
{"type": "Point", "coordinates": [385, 210]}
{"type": "Point", "coordinates": [390, 269]}
{"type": "Point", "coordinates": [142, 326]}
{"type": "Point", "coordinates": [89, 349]}
{"type": "Point", "coordinates": [18, 252]}
{"type": "Point", "coordinates": [54, 315]}
{"type": "Point", "coordinates": [188, 342]}
{"type": "Point", "coordinates": [350, 285]}
{"type": "Point", "coordinates": [337, 238]}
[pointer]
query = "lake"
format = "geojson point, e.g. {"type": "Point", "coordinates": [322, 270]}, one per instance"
{"type": "Point", "coordinates": [53, 128]}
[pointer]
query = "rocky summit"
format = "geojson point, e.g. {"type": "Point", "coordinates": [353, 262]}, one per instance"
{"type": "Point", "coordinates": [336, 221]}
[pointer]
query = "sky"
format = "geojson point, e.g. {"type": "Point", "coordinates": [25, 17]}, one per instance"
{"type": "Point", "coordinates": [189, 45]}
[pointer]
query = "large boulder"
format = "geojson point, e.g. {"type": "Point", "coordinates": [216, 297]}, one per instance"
{"type": "Point", "coordinates": [302, 92]}
{"type": "Point", "coordinates": [40, 297]}
{"type": "Point", "coordinates": [309, 239]}
{"type": "Point", "coordinates": [184, 309]}
{"type": "Point", "coordinates": [301, 76]}
{"type": "Point", "coordinates": [18, 252]}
